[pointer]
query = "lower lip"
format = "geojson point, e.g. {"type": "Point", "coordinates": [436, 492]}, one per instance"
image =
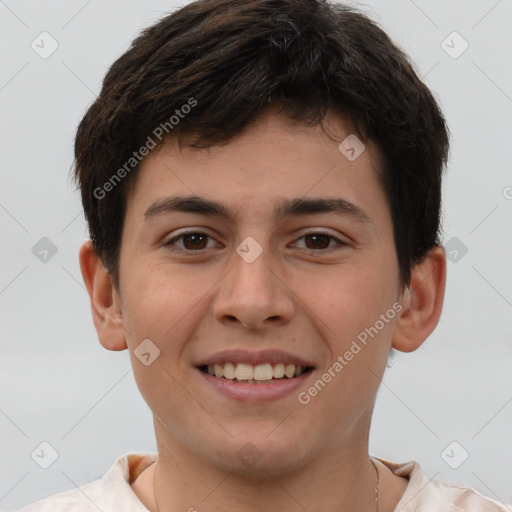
{"type": "Point", "coordinates": [256, 392]}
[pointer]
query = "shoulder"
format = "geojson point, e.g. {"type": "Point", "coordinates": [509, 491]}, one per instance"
{"type": "Point", "coordinates": [86, 498]}
{"type": "Point", "coordinates": [110, 493]}
{"type": "Point", "coordinates": [429, 493]}
{"type": "Point", "coordinates": [460, 497]}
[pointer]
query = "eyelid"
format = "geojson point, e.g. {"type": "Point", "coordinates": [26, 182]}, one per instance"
{"type": "Point", "coordinates": [177, 236]}
{"type": "Point", "coordinates": [340, 242]}
{"type": "Point", "coordinates": [323, 231]}
{"type": "Point", "coordinates": [203, 231]}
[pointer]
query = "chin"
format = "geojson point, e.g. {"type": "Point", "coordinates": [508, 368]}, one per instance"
{"type": "Point", "coordinates": [258, 456]}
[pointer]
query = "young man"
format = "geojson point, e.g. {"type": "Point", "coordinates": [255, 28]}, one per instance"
{"type": "Point", "coordinates": [262, 184]}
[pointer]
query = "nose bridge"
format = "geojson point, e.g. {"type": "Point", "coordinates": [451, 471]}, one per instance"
{"type": "Point", "coordinates": [252, 280]}
{"type": "Point", "coordinates": [251, 267]}
{"type": "Point", "coordinates": [251, 292]}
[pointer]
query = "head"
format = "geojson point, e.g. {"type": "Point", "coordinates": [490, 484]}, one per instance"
{"type": "Point", "coordinates": [253, 105]}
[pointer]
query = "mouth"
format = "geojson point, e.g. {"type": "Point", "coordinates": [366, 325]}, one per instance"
{"type": "Point", "coordinates": [254, 377]}
{"type": "Point", "coordinates": [264, 373]}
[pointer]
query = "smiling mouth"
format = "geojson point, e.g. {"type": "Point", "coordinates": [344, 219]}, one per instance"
{"type": "Point", "coordinates": [255, 374]}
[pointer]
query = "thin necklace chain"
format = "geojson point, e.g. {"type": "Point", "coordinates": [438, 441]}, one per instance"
{"type": "Point", "coordinates": [376, 487]}
{"type": "Point", "coordinates": [371, 459]}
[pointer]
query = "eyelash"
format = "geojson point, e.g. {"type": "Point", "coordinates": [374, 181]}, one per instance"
{"type": "Point", "coordinates": [170, 243]}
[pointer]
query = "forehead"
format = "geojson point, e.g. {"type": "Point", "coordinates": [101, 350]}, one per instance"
{"type": "Point", "coordinates": [275, 160]}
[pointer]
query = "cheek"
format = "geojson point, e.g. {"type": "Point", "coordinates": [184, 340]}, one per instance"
{"type": "Point", "coordinates": [350, 306]}
{"type": "Point", "coordinates": [161, 297]}
{"type": "Point", "coordinates": [163, 311]}
{"type": "Point", "coordinates": [344, 300]}
{"type": "Point", "coordinates": [165, 306]}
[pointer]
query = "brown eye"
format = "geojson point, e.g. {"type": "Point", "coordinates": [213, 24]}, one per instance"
{"type": "Point", "coordinates": [196, 241]}
{"type": "Point", "coordinates": [321, 243]}
{"type": "Point", "coordinates": [191, 241]}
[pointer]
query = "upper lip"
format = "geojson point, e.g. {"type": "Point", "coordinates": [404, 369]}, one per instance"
{"type": "Point", "coordinates": [271, 356]}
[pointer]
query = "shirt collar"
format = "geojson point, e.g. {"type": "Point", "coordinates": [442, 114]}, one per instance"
{"type": "Point", "coordinates": [118, 494]}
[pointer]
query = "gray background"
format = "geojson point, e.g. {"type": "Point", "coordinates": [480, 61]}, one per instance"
{"type": "Point", "coordinates": [57, 383]}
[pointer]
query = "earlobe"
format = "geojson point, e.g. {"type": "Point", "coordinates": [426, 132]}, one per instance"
{"type": "Point", "coordinates": [423, 302]}
{"type": "Point", "coordinates": [105, 305]}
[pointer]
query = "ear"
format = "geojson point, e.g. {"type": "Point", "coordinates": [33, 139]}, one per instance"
{"type": "Point", "coordinates": [105, 302]}
{"type": "Point", "coordinates": [422, 303]}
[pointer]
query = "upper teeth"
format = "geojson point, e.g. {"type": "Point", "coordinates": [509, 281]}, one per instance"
{"type": "Point", "coordinates": [242, 371]}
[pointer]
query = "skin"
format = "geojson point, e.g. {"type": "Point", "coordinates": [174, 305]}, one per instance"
{"type": "Point", "coordinates": [294, 296]}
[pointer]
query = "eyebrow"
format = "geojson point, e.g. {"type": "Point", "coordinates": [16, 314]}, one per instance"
{"type": "Point", "coordinates": [284, 208]}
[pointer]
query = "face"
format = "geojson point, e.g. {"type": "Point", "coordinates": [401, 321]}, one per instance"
{"type": "Point", "coordinates": [315, 289]}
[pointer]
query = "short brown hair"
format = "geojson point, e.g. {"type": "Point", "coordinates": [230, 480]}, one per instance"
{"type": "Point", "coordinates": [227, 60]}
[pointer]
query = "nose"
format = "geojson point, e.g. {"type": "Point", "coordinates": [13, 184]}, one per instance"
{"type": "Point", "coordinates": [254, 294]}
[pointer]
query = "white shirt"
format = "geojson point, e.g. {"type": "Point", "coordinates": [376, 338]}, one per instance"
{"type": "Point", "coordinates": [113, 492]}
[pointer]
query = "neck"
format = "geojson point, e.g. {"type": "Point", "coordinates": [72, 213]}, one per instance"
{"type": "Point", "coordinates": [340, 480]}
